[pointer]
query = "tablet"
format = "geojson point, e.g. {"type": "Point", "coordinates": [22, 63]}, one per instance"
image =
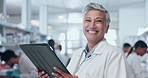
{"type": "Point", "coordinates": [43, 57]}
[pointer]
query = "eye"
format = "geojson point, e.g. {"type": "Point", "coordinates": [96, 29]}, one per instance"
{"type": "Point", "coordinates": [98, 20]}
{"type": "Point", "coordinates": [87, 20]}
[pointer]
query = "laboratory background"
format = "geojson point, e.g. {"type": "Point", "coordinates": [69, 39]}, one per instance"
{"type": "Point", "coordinates": [42, 21]}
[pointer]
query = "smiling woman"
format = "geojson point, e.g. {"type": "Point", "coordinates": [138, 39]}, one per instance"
{"type": "Point", "coordinates": [97, 59]}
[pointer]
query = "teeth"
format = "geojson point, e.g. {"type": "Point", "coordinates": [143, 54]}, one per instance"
{"type": "Point", "coordinates": [92, 31]}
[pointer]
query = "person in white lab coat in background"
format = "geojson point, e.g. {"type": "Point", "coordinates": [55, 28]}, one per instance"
{"type": "Point", "coordinates": [98, 59]}
{"type": "Point", "coordinates": [134, 58]}
{"type": "Point", "coordinates": [134, 62]}
{"type": "Point", "coordinates": [25, 66]}
{"type": "Point", "coordinates": [141, 49]}
{"type": "Point", "coordinates": [126, 48]}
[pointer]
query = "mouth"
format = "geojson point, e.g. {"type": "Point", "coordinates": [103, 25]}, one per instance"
{"type": "Point", "coordinates": [92, 31]}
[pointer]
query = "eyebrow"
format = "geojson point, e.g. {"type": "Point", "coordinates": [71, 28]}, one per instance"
{"type": "Point", "coordinates": [100, 18]}
{"type": "Point", "coordinates": [95, 18]}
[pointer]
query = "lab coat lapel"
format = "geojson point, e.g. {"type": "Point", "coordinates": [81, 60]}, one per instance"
{"type": "Point", "coordinates": [100, 47]}
{"type": "Point", "coordinates": [98, 50]}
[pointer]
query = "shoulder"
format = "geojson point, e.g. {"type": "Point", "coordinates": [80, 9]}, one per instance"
{"type": "Point", "coordinates": [132, 55]}
{"type": "Point", "coordinates": [106, 48]}
{"type": "Point", "coordinates": [112, 49]}
{"type": "Point", "coordinates": [111, 52]}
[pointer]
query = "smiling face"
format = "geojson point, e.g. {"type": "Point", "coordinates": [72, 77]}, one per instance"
{"type": "Point", "coordinates": [94, 26]}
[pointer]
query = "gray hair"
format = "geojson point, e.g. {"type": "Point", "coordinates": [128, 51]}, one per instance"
{"type": "Point", "coordinates": [99, 7]}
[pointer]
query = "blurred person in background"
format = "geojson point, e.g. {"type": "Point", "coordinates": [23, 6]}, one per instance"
{"type": "Point", "coordinates": [134, 61]}
{"type": "Point", "coordinates": [25, 66]}
{"type": "Point", "coordinates": [135, 56]}
{"type": "Point", "coordinates": [57, 49]}
{"type": "Point", "coordinates": [141, 49]}
{"type": "Point", "coordinates": [126, 48]}
{"type": "Point", "coordinates": [98, 59]}
{"type": "Point", "coordinates": [51, 42]}
{"type": "Point", "coordinates": [62, 57]}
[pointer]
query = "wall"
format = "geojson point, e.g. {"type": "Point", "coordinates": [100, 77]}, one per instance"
{"type": "Point", "coordinates": [130, 19]}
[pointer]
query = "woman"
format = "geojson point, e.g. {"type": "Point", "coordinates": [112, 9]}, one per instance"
{"type": "Point", "coordinates": [98, 59]}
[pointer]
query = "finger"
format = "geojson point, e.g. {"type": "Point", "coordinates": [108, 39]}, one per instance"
{"type": "Point", "coordinates": [41, 73]}
{"type": "Point", "coordinates": [59, 71]}
{"type": "Point", "coordinates": [75, 76]}
{"type": "Point", "coordinates": [57, 75]}
{"type": "Point", "coordinates": [45, 76]}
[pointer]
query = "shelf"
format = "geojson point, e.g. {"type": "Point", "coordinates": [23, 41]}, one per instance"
{"type": "Point", "coordinates": [14, 26]}
{"type": "Point", "coordinates": [8, 44]}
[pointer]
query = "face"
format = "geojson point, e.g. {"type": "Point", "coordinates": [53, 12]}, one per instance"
{"type": "Point", "coordinates": [11, 62]}
{"type": "Point", "coordinates": [94, 26]}
{"type": "Point", "coordinates": [126, 49]}
{"type": "Point", "coordinates": [141, 51]}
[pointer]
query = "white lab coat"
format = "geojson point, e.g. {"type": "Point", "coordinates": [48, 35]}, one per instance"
{"type": "Point", "coordinates": [105, 62]}
{"type": "Point", "coordinates": [26, 68]}
{"type": "Point", "coordinates": [134, 62]}
{"type": "Point", "coordinates": [143, 58]}
{"type": "Point", "coordinates": [144, 65]}
{"type": "Point", "coordinates": [125, 54]}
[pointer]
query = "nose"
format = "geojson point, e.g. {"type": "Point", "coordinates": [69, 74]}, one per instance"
{"type": "Point", "coordinates": [92, 24]}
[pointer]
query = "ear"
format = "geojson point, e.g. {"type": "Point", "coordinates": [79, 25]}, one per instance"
{"type": "Point", "coordinates": [107, 27]}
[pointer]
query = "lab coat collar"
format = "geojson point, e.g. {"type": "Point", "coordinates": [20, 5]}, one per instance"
{"type": "Point", "coordinates": [99, 47]}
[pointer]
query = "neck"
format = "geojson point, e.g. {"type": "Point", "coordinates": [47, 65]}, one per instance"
{"type": "Point", "coordinates": [17, 59]}
{"type": "Point", "coordinates": [90, 46]}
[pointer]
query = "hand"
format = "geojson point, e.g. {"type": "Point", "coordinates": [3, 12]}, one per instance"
{"type": "Point", "coordinates": [62, 74]}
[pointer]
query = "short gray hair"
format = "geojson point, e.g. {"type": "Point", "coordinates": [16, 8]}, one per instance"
{"type": "Point", "coordinates": [99, 7]}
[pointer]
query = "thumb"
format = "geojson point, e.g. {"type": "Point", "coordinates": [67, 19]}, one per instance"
{"type": "Point", "coordinates": [74, 76]}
